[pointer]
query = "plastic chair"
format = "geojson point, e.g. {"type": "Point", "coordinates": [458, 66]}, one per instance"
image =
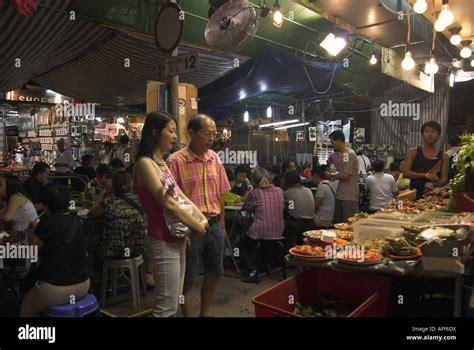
{"type": "Point", "coordinates": [86, 307]}
{"type": "Point", "coordinates": [133, 264]}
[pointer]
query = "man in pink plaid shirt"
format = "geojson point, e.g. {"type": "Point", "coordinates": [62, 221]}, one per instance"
{"type": "Point", "coordinates": [202, 177]}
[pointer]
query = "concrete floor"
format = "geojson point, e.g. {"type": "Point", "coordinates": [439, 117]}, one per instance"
{"type": "Point", "coordinates": [233, 297]}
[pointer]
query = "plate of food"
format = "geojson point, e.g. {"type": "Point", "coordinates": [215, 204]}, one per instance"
{"type": "Point", "coordinates": [314, 236]}
{"type": "Point", "coordinates": [358, 216]}
{"type": "Point", "coordinates": [363, 258]}
{"type": "Point", "coordinates": [308, 252]}
{"type": "Point", "coordinates": [401, 249]}
{"type": "Point", "coordinates": [324, 238]}
{"type": "Point", "coordinates": [405, 257]}
{"type": "Point", "coordinates": [343, 226]}
{"type": "Point", "coordinates": [343, 234]}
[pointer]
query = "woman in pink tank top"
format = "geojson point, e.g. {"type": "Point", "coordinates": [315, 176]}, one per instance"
{"type": "Point", "coordinates": [167, 253]}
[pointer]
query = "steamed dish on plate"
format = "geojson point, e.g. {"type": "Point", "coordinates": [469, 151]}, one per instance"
{"type": "Point", "coordinates": [309, 251]}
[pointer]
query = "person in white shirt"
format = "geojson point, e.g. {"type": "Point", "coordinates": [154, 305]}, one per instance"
{"type": "Point", "coordinates": [300, 208]}
{"type": "Point", "coordinates": [123, 151]}
{"type": "Point", "coordinates": [453, 146]}
{"type": "Point", "coordinates": [383, 187]}
{"type": "Point", "coordinates": [364, 164]}
{"type": "Point", "coordinates": [88, 147]}
{"type": "Point", "coordinates": [106, 153]}
{"type": "Point", "coordinates": [325, 197]}
{"type": "Point", "coordinates": [65, 161]}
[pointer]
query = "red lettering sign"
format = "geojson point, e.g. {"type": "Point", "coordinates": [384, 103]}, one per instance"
{"type": "Point", "coordinates": [25, 7]}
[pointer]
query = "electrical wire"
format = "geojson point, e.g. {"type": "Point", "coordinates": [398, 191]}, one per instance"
{"type": "Point", "coordinates": [398, 13]}
{"type": "Point", "coordinates": [445, 49]}
{"type": "Point", "coordinates": [376, 109]}
{"type": "Point", "coordinates": [349, 103]}
{"type": "Point", "coordinates": [434, 32]}
{"type": "Point", "coordinates": [330, 82]}
{"type": "Point", "coordinates": [409, 27]}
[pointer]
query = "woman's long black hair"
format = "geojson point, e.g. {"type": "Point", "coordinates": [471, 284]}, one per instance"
{"type": "Point", "coordinates": [154, 121]}
{"type": "Point", "coordinates": [13, 186]}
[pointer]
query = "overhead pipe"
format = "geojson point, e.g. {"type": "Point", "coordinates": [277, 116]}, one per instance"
{"type": "Point", "coordinates": [292, 47]}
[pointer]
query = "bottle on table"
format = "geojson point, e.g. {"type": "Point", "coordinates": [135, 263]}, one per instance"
{"type": "Point", "coordinates": [90, 192]}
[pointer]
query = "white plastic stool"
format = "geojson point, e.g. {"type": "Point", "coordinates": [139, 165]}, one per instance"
{"type": "Point", "coordinates": [133, 264]}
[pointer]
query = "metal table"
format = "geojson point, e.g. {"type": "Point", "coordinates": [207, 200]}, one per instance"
{"type": "Point", "coordinates": [389, 267]}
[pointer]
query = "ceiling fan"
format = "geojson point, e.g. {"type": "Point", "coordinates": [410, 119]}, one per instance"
{"type": "Point", "coordinates": [232, 23]}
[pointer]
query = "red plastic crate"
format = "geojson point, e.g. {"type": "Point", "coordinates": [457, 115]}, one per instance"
{"type": "Point", "coordinates": [368, 293]}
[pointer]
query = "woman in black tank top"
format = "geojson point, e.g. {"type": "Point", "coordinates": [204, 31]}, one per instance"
{"type": "Point", "coordinates": [421, 164]}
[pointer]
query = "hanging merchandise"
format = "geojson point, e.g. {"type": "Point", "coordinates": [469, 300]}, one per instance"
{"type": "Point", "coordinates": [53, 117]}
{"type": "Point", "coordinates": [25, 7]}
{"type": "Point", "coordinates": [359, 135]}
{"type": "Point", "coordinates": [45, 117]}
{"type": "Point", "coordinates": [313, 133]}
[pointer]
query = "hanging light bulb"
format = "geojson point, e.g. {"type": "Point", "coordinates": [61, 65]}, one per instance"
{"type": "Point", "coordinates": [431, 66]}
{"type": "Point", "coordinates": [446, 16]}
{"type": "Point", "coordinates": [466, 51]}
{"type": "Point", "coordinates": [408, 62]}
{"type": "Point", "coordinates": [269, 112]}
{"type": "Point", "coordinates": [455, 39]}
{"type": "Point", "coordinates": [420, 6]}
{"type": "Point", "coordinates": [439, 26]}
{"type": "Point", "coordinates": [472, 63]}
{"type": "Point", "coordinates": [373, 60]}
{"type": "Point", "coordinates": [246, 117]}
{"type": "Point", "coordinates": [277, 15]}
{"type": "Point", "coordinates": [434, 65]}
{"type": "Point", "coordinates": [452, 79]}
{"type": "Point", "coordinates": [428, 68]}
{"type": "Point", "coordinates": [455, 36]}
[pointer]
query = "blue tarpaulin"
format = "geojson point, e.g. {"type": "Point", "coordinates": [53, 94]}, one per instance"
{"type": "Point", "coordinates": [271, 70]}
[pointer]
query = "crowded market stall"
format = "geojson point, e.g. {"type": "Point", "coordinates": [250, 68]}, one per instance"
{"type": "Point", "coordinates": [287, 158]}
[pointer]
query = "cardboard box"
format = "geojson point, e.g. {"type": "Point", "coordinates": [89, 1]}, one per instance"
{"type": "Point", "coordinates": [157, 99]}
{"type": "Point", "coordinates": [188, 107]}
{"type": "Point", "coordinates": [448, 247]}
{"type": "Point", "coordinates": [442, 264]}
